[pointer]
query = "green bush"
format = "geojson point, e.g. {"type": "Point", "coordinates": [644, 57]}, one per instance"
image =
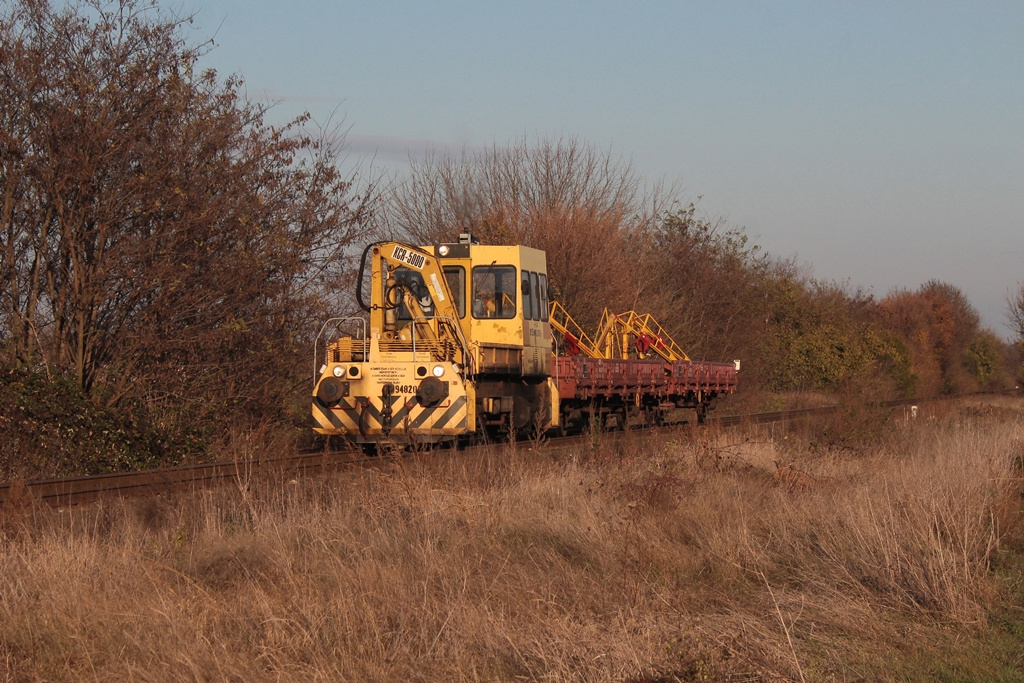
{"type": "Point", "coordinates": [51, 430]}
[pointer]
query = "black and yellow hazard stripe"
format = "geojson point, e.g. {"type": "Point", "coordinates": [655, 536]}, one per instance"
{"type": "Point", "coordinates": [448, 417]}
{"type": "Point", "coordinates": [340, 419]}
{"type": "Point", "coordinates": [365, 416]}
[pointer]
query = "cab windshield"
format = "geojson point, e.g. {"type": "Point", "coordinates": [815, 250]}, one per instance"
{"type": "Point", "coordinates": [494, 292]}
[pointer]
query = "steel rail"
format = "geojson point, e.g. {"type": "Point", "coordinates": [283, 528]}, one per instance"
{"type": "Point", "coordinates": [83, 489]}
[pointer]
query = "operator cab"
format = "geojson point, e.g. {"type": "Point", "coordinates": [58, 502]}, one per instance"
{"type": "Point", "coordinates": [506, 321]}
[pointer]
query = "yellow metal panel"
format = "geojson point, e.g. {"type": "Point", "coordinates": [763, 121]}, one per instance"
{"type": "Point", "coordinates": [383, 404]}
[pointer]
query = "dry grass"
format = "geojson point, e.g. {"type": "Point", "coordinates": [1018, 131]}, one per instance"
{"type": "Point", "coordinates": [651, 559]}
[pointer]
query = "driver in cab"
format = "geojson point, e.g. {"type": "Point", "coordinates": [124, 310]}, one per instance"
{"type": "Point", "coordinates": [483, 305]}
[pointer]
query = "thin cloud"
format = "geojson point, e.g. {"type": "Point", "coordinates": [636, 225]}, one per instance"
{"type": "Point", "coordinates": [274, 96]}
{"type": "Point", "coordinates": [402, 150]}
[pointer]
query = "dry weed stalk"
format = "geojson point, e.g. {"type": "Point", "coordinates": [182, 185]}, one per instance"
{"type": "Point", "coordinates": [652, 560]}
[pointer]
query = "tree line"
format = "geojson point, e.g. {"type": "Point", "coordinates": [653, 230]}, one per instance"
{"type": "Point", "coordinates": [614, 241]}
{"type": "Point", "coordinates": [166, 253]}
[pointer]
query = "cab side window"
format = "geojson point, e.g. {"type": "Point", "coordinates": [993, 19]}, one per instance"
{"type": "Point", "coordinates": [535, 297]}
{"type": "Point", "coordinates": [456, 277]}
{"type": "Point", "coordinates": [544, 305]}
{"type": "Point", "coordinates": [527, 308]}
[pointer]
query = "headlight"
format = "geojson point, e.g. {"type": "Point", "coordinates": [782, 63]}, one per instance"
{"type": "Point", "coordinates": [438, 370]}
{"type": "Point", "coordinates": [443, 250]}
{"type": "Point", "coordinates": [338, 371]}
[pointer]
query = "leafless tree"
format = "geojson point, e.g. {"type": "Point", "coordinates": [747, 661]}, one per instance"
{"type": "Point", "coordinates": [158, 240]}
{"type": "Point", "coordinates": [1015, 314]}
{"type": "Point", "coordinates": [1015, 318]}
{"type": "Point", "coordinates": [584, 207]}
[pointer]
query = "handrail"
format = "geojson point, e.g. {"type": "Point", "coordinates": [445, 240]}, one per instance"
{"type": "Point", "coordinates": [577, 341]}
{"type": "Point", "coordinates": [339, 321]}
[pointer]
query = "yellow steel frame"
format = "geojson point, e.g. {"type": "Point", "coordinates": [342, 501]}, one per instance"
{"type": "Point", "coordinates": [563, 323]}
{"type": "Point", "coordinates": [618, 333]}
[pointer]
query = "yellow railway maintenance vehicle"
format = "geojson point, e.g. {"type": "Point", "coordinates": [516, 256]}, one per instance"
{"type": "Point", "coordinates": [457, 342]}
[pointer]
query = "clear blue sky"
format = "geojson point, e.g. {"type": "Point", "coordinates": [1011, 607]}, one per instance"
{"type": "Point", "coordinates": [882, 143]}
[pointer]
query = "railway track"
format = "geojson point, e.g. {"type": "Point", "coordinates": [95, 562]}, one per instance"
{"type": "Point", "coordinates": [85, 489]}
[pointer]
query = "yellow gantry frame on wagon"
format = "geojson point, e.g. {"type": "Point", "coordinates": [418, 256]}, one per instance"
{"type": "Point", "coordinates": [635, 335]}
{"type": "Point", "coordinates": [622, 335]}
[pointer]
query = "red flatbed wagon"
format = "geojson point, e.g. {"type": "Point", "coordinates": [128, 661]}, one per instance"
{"type": "Point", "coordinates": [622, 388]}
